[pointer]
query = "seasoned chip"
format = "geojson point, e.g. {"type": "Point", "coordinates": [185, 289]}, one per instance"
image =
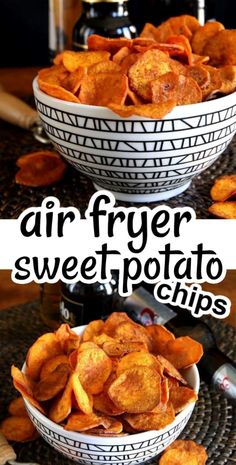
{"type": "Point", "coordinates": [159, 337]}
{"type": "Point", "coordinates": [165, 392]}
{"type": "Point", "coordinates": [185, 52]}
{"type": "Point", "coordinates": [104, 67]}
{"type": "Point", "coordinates": [54, 75]}
{"type": "Point", "coordinates": [118, 348]}
{"type": "Point", "coordinates": [170, 370]}
{"type": "Point", "coordinates": [44, 347]}
{"type": "Point", "coordinates": [67, 338]}
{"type": "Point", "coordinates": [132, 98]}
{"type": "Point", "coordinates": [222, 50]}
{"type": "Point", "coordinates": [137, 390]}
{"type": "Point", "coordinates": [93, 329]}
{"type": "Point", "coordinates": [149, 66]}
{"type": "Point", "coordinates": [72, 83]}
{"type": "Point", "coordinates": [113, 321]}
{"type": "Point", "coordinates": [178, 457]}
{"type": "Point", "coordinates": [225, 210]}
{"type": "Point", "coordinates": [200, 74]}
{"type": "Point", "coordinates": [73, 60]}
{"type": "Point", "coordinates": [180, 23]}
{"type": "Point", "coordinates": [128, 61]}
{"type": "Point", "coordinates": [40, 169]}
{"type": "Point", "coordinates": [51, 364]}
{"type": "Point", "coordinates": [228, 77]}
{"type": "Point", "coordinates": [214, 84]}
{"type": "Point", "coordinates": [103, 404]}
{"type": "Point", "coordinates": [150, 32]}
{"type": "Point", "coordinates": [151, 420]}
{"type": "Point", "coordinates": [138, 359]}
{"type": "Point", "coordinates": [165, 88]}
{"type": "Point", "coordinates": [22, 384]}
{"type": "Point", "coordinates": [17, 407]}
{"type": "Point", "coordinates": [189, 91]}
{"type": "Point", "coordinates": [132, 332]}
{"type": "Point", "coordinates": [61, 406]}
{"type": "Point", "coordinates": [96, 42]}
{"type": "Point", "coordinates": [52, 384]}
{"type": "Point", "coordinates": [17, 428]}
{"type": "Point", "coordinates": [82, 422]}
{"type": "Point", "coordinates": [181, 396]}
{"type": "Point", "coordinates": [191, 447]}
{"type": "Point", "coordinates": [115, 429]}
{"type": "Point", "coordinates": [83, 399]}
{"type": "Point", "coordinates": [224, 188]}
{"type": "Point", "coordinates": [93, 368]}
{"type": "Point", "coordinates": [120, 55]}
{"type": "Point", "coordinates": [104, 89]}
{"type": "Point", "coordinates": [183, 352]}
{"type": "Point", "coordinates": [57, 91]}
{"type": "Point", "coordinates": [204, 34]}
{"type": "Point", "coordinates": [149, 110]}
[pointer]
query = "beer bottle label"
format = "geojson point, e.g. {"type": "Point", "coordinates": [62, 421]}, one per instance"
{"type": "Point", "coordinates": [224, 380]}
{"type": "Point", "coordinates": [71, 312]}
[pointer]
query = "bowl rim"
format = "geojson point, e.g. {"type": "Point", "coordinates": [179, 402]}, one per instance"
{"type": "Point", "coordinates": [179, 111]}
{"type": "Point", "coordinates": [136, 437]}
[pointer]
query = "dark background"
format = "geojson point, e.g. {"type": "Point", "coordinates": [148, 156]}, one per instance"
{"type": "Point", "coordinates": [24, 24]}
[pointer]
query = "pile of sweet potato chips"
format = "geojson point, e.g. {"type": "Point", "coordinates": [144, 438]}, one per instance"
{"type": "Point", "coordinates": [177, 63]}
{"type": "Point", "coordinates": [223, 193]}
{"type": "Point", "coordinates": [115, 379]}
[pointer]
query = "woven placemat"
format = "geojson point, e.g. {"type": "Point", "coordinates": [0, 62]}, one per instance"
{"type": "Point", "coordinates": [76, 190]}
{"type": "Point", "coordinates": [212, 424]}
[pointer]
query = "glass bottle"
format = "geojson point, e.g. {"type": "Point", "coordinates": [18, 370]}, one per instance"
{"type": "Point", "coordinates": [62, 17]}
{"type": "Point", "coordinates": [50, 301]}
{"type": "Point", "coordinates": [81, 303]}
{"type": "Point", "coordinates": [108, 18]}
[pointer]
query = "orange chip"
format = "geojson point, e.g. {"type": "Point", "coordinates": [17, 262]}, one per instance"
{"type": "Point", "coordinates": [134, 359]}
{"type": "Point", "coordinates": [96, 42]}
{"type": "Point", "coordinates": [132, 98]}
{"type": "Point", "coordinates": [103, 404]}
{"type": "Point", "coordinates": [128, 61]}
{"type": "Point", "coordinates": [186, 52]}
{"type": "Point", "coordinates": [181, 396]}
{"type": "Point", "coordinates": [57, 91]}
{"type": "Point", "coordinates": [200, 74]}
{"type": "Point", "coordinates": [199, 59]}
{"type": "Point", "coordinates": [225, 210]}
{"type": "Point", "coordinates": [93, 368]}
{"type": "Point", "coordinates": [115, 428]}
{"type": "Point", "coordinates": [170, 370]}
{"type": "Point", "coordinates": [184, 24]}
{"type": "Point", "coordinates": [104, 67]}
{"type": "Point", "coordinates": [72, 83]}
{"type": "Point", "coordinates": [17, 407]}
{"type": "Point", "coordinates": [149, 66]}
{"type": "Point", "coordinates": [228, 77]}
{"type": "Point", "coordinates": [204, 34]}
{"type": "Point", "coordinates": [82, 422]}
{"type": "Point", "coordinates": [62, 405]}
{"type": "Point", "coordinates": [93, 329]}
{"type": "Point", "coordinates": [151, 420]}
{"type": "Point", "coordinates": [214, 84]}
{"type": "Point", "coordinates": [17, 428]}
{"type": "Point", "coordinates": [53, 75]}
{"type": "Point", "coordinates": [40, 169]}
{"type": "Point", "coordinates": [137, 390]}
{"type": "Point", "coordinates": [119, 348]}
{"type": "Point", "coordinates": [22, 384]}
{"type": "Point", "coordinates": [120, 55]}
{"type": "Point", "coordinates": [113, 321]}
{"type": "Point", "coordinates": [45, 347]}
{"type": "Point", "coordinates": [192, 447]}
{"type": "Point", "coordinates": [68, 339]}
{"type": "Point", "coordinates": [183, 352]}
{"type": "Point", "coordinates": [165, 88]}
{"type": "Point", "coordinates": [149, 110]}
{"type": "Point", "coordinates": [178, 457]}
{"type": "Point", "coordinates": [189, 91]}
{"type": "Point", "coordinates": [51, 364]}
{"type": "Point", "coordinates": [159, 336]}
{"type": "Point", "coordinates": [73, 60]}
{"type": "Point", "coordinates": [150, 32]}
{"type": "Point", "coordinates": [132, 332]}
{"type": "Point", "coordinates": [165, 392]}
{"type": "Point", "coordinates": [224, 188]}
{"type": "Point", "coordinates": [84, 400]}
{"type": "Point", "coordinates": [104, 89]}
{"type": "Point", "coordinates": [51, 385]}
{"type": "Point", "coordinates": [221, 50]}
{"type": "Point", "coordinates": [161, 33]}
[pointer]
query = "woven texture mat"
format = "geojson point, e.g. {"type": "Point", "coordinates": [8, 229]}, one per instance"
{"type": "Point", "coordinates": [212, 424]}
{"type": "Point", "coordinates": [76, 190]}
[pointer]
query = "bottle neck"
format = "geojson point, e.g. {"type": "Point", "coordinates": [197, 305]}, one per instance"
{"type": "Point", "coordinates": [105, 9]}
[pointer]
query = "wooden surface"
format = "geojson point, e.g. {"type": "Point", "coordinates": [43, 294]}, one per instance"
{"type": "Point", "coordinates": [19, 82]}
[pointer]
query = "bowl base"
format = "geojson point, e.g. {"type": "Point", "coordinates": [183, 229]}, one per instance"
{"type": "Point", "coordinates": [146, 198]}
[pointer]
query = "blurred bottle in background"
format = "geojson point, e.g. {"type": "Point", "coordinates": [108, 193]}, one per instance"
{"type": "Point", "coordinates": [108, 18]}
{"type": "Point", "coordinates": [49, 304]}
{"type": "Point", "coordinates": [62, 17]}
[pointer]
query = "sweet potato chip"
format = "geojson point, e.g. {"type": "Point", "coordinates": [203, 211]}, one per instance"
{"type": "Point", "coordinates": [151, 420]}
{"type": "Point", "coordinates": [84, 400]}
{"type": "Point", "coordinates": [62, 405]}
{"type": "Point", "coordinates": [181, 396]}
{"type": "Point", "coordinates": [200, 74]}
{"type": "Point", "coordinates": [199, 59]}
{"type": "Point", "coordinates": [138, 359]}
{"type": "Point", "coordinates": [54, 75]}
{"type": "Point", "coordinates": [23, 386]}
{"type": "Point", "coordinates": [224, 188]}
{"type": "Point", "coordinates": [104, 67]}
{"type": "Point", "coordinates": [192, 448]}
{"type": "Point", "coordinates": [204, 34]}
{"type": "Point", "coordinates": [222, 50]}
{"type": "Point", "coordinates": [93, 329]}
{"type": "Point", "coordinates": [82, 422]}
{"type": "Point", "coordinates": [103, 404]}
{"type": "Point", "coordinates": [128, 61]}
{"type": "Point", "coordinates": [170, 370]}
{"type": "Point", "coordinates": [17, 428]}
{"type": "Point", "coordinates": [51, 364]}
{"type": "Point", "coordinates": [159, 336]}
{"type": "Point", "coordinates": [104, 89]}
{"type": "Point", "coordinates": [93, 368]}
{"type": "Point", "coordinates": [150, 32]}
{"type": "Point", "coordinates": [214, 84]}
{"type": "Point", "coordinates": [184, 24]}
{"type": "Point", "coordinates": [189, 91]}
{"type": "Point", "coordinates": [44, 347]}
{"type": "Point", "coordinates": [96, 42]}
{"type": "Point", "coordinates": [113, 321]}
{"type": "Point", "coordinates": [17, 407]}
{"type": "Point", "coordinates": [137, 390]}
{"type": "Point", "coordinates": [132, 332]}
{"type": "Point", "coordinates": [149, 110]}
{"type": "Point", "coordinates": [57, 91]}
{"type": "Point", "coordinates": [51, 385]}
{"type": "Point", "coordinates": [183, 352]}
{"type": "Point", "coordinates": [132, 98]}
{"type": "Point", "coordinates": [165, 88]}
{"type": "Point", "coordinates": [228, 77]}
{"type": "Point", "coordinates": [73, 60]}
{"type": "Point", "coordinates": [40, 169]}
{"type": "Point", "coordinates": [185, 52]}
{"type": "Point", "coordinates": [165, 392]}
{"type": "Point", "coordinates": [120, 55]}
{"type": "Point", "coordinates": [225, 210]}
{"type": "Point", "coordinates": [178, 457]}
{"type": "Point", "coordinates": [149, 66]}
{"type": "Point", "coordinates": [118, 348]}
{"type": "Point", "coordinates": [72, 83]}
{"type": "Point", "coordinates": [68, 339]}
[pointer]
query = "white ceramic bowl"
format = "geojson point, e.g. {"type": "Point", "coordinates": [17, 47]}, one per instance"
{"type": "Point", "coordinates": [127, 450]}
{"type": "Point", "coordinates": [139, 159]}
